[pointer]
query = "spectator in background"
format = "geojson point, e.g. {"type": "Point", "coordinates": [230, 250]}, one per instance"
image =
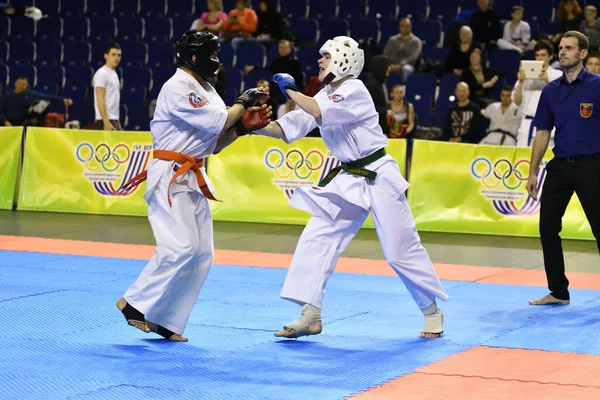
{"type": "Point", "coordinates": [591, 27]}
{"type": "Point", "coordinates": [271, 26]}
{"type": "Point", "coordinates": [286, 64]}
{"type": "Point", "coordinates": [463, 123]}
{"type": "Point", "coordinates": [379, 70]}
{"type": "Point", "coordinates": [213, 19]}
{"type": "Point", "coordinates": [593, 63]}
{"type": "Point", "coordinates": [14, 106]}
{"type": "Point", "coordinates": [241, 23]}
{"type": "Point", "coordinates": [403, 50]}
{"type": "Point", "coordinates": [485, 24]}
{"type": "Point", "coordinates": [505, 118]}
{"type": "Point", "coordinates": [570, 16]}
{"type": "Point", "coordinates": [460, 53]}
{"type": "Point", "coordinates": [266, 86]}
{"type": "Point", "coordinates": [220, 82]}
{"type": "Point", "coordinates": [481, 79]}
{"type": "Point", "coordinates": [517, 33]}
{"type": "Point", "coordinates": [401, 114]}
{"type": "Point", "coordinates": [107, 90]}
{"type": "Point", "coordinates": [283, 64]}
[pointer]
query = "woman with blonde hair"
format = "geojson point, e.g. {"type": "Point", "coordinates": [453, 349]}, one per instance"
{"type": "Point", "coordinates": [401, 114]}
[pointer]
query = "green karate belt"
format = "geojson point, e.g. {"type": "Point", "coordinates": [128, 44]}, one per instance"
{"type": "Point", "coordinates": [355, 167]}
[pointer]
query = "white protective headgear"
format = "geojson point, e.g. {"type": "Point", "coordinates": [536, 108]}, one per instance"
{"type": "Point", "coordinates": [346, 58]}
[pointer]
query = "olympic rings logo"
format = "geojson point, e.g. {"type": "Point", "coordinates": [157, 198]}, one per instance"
{"type": "Point", "coordinates": [503, 171]}
{"type": "Point", "coordinates": [294, 162]}
{"type": "Point", "coordinates": [102, 156]}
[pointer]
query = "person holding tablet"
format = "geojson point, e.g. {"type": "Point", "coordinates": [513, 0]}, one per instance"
{"type": "Point", "coordinates": [527, 92]}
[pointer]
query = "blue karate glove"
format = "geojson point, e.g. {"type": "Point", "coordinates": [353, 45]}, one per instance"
{"type": "Point", "coordinates": [285, 81]}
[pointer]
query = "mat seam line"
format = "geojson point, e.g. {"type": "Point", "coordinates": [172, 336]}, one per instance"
{"type": "Point", "coordinates": [506, 379]}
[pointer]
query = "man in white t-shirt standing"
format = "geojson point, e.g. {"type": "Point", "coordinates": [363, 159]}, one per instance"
{"type": "Point", "coordinates": [528, 91]}
{"type": "Point", "coordinates": [107, 90]}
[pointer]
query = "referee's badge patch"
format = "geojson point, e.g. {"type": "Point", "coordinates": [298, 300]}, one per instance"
{"type": "Point", "coordinates": [586, 109]}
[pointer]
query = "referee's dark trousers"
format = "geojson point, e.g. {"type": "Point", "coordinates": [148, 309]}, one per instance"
{"type": "Point", "coordinates": [565, 176]}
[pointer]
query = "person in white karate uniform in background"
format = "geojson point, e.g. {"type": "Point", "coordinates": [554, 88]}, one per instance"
{"type": "Point", "coordinates": [505, 119]}
{"type": "Point", "coordinates": [369, 181]}
{"type": "Point", "coordinates": [191, 122]}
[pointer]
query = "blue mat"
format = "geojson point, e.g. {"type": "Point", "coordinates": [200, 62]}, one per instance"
{"type": "Point", "coordinates": [63, 337]}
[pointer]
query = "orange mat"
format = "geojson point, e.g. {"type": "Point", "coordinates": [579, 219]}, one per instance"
{"type": "Point", "coordinates": [464, 273]}
{"type": "Point", "coordinates": [498, 373]}
{"type": "Point", "coordinates": [443, 387]}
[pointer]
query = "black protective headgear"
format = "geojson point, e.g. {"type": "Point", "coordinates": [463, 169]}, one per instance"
{"type": "Point", "coordinates": [203, 45]}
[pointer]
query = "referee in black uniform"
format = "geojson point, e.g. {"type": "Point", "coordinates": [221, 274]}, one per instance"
{"type": "Point", "coordinates": [572, 105]}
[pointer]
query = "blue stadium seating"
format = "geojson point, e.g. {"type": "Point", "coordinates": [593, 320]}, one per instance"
{"type": "Point", "coordinates": [22, 51]}
{"type": "Point", "coordinates": [4, 53]}
{"type": "Point", "coordinates": [49, 7]}
{"type": "Point", "coordinates": [155, 8]}
{"type": "Point", "coordinates": [354, 9]}
{"type": "Point", "coordinates": [52, 74]}
{"type": "Point", "coordinates": [73, 37]}
{"type": "Point", "coordinates": [49, 28]}
{"type": "Point", "coordinates": [49, 53]}
{"type": "Point", "coordinates": [22, 28]}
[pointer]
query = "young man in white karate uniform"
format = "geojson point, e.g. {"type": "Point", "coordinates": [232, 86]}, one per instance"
{"type": "Point", "coordinates": [369, 181]}
{"type": "Point", "coordinates": [190, 123]}
{"type": "Point", "coordinates": [505, 118]}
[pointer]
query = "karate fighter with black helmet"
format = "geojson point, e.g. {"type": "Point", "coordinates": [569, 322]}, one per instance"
{"type": "Point", "coordinates": [191, 122]}
{"type": "Point", "coordinates": [369, 181]}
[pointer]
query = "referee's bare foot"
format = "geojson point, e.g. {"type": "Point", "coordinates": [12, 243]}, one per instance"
{"type": "Point", "coordinates": [133, 316]}
{"type": "Point", "coordinates": [164, 332]}
{"type": "Point", "coordinates": [549, 300]}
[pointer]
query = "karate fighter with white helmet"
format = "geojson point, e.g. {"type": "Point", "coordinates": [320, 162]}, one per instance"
{"type": "Point", "coordinates": [368, 180]}
{"type": "Point", "coordinates": [190, 123]}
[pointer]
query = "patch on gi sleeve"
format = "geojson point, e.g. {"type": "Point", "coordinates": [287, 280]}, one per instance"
{"type": "Point", "coordinates": [336, 98]}
{"type": "Point", "coordinates": [197, 101]}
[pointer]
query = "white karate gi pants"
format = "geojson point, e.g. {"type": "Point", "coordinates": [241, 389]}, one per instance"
{"type": "Point", "coordinates": [324, 239]}
{"type": "Point", "coordinates": [527, 131]}
{"type": "Point", "coordinates": [168, 287]}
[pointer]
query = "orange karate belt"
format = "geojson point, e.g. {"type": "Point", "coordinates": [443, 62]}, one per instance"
{"type": "Point", "coordinates": [187, 163]}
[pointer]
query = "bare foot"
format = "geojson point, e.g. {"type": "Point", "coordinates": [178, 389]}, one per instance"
{"type": "Point", "coordinates": [314, 328]}
{"type": "Point", "coordinates": [549, 300]}
{"type": "Point", "coordinates": [133, 316]}
{"type": "Point", "coordinates": [172, 336]}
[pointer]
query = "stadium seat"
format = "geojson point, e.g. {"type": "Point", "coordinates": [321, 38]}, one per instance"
{"type": "Point", "coordinates": [51, 74]}
{"type": "Point", "coordinates": [155, 8]}
{"type": "Point", "coordinates": [49, 29]}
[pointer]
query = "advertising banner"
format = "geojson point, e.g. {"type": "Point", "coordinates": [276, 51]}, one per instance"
{"type": "Point", "coordinates": [78, 171]}
{"type": "Point", "coordinates": [10, 157]}
{"type": "Point", "coordinates": [256, 177]}
{"type": "Point", "coordinates": [481, 189]}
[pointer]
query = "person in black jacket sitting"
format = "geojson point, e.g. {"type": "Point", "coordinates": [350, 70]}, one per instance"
{"type": "Point", "coordinates": [378, 72]}
{"type": "Point", "coordinates": [481, 79]}
{"type": "Point", "coordinates": [463, 123]}
{"type": "Point", "coordinates": [271, 26]}
{"type": "Point", "coordinates": [458, 57]}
